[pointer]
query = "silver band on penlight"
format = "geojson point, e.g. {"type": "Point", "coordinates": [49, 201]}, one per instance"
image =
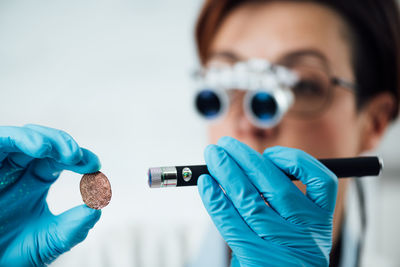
{"type": "Point", "coordinates": [162, 177]}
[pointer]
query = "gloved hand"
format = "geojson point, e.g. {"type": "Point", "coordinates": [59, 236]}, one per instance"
{"type": "Point", "coordinates": [31, 159]}
{"type": "Point", "coordinates": [293, 229]}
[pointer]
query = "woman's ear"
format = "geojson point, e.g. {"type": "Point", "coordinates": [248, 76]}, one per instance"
{"type": "Point", "coordinates": [377, 116]}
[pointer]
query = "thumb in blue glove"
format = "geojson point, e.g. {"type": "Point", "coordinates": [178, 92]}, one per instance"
{"type": "Point", "coordinates": [42, 242]}
{"type": "Point", "coordinates": [261, 214]}
{"type": "Point", "coordinates": [31, 159]}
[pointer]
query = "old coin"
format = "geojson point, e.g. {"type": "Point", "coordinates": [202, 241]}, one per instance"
{"type": "Point", "coordinates": [95, 190]}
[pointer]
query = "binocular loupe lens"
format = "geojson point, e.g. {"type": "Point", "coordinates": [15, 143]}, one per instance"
{"type": "Point", "coordinates": [263, 105]}
{"type": "Point", "coordinates": [208, 103]}
{"type": "Point", "coordinates": [263, 108]}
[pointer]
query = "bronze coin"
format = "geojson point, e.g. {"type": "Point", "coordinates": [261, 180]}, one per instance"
{"type": "Point", "coordinates": [95, 190]}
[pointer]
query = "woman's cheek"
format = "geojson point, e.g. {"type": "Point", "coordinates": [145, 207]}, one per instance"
{"type": "Point", "coordinates": [323, 138]}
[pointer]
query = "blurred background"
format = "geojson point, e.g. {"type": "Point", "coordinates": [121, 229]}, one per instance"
{"type": "Point", "coordinates": [116, 76]}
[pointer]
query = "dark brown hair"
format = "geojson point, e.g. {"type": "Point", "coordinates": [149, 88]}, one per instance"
{"type": "Point", "coordinates": [375, 28]}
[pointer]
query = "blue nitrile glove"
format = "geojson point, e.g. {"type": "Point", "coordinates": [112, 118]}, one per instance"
{"type": "Point", "coordinates": [31, 159]}
{"type": "Point", "coordinates": [295, 229]}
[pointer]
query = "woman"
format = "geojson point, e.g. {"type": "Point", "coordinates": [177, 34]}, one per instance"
{"type": "Point", "coordinates": [321, 40]}
{"type": "Point", "coordinates": [357, 45]}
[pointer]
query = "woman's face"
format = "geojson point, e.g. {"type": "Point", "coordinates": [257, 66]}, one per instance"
{"type": "Point", "coordinates": [282, 31]}
{"type": "Point", "coordinates": [291, 31]}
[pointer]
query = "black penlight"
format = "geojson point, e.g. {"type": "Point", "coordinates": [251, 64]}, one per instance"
{"type": "Point", "coordinates": [175, 176]}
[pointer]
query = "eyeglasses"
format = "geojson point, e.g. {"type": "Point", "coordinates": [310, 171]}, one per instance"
{"type": "Point", "coordinates": [301, 89]}
{"type": "Point", "coordinates": [314, 90]}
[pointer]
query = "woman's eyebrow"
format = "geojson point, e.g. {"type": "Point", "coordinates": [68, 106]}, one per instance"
{"type": "Point", "coordinates": [298, 55]}
{"type": "Point", "coordinates": [226, 55]}
{"type": "Point", "coordinates": [288, 58]}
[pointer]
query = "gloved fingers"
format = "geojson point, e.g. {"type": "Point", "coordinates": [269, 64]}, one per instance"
{"type": "Point", "coordinates": [64, 149]}
{"type": "Point", "coordinates": [226, 218]}
{"type": "Point", "coordinates": [69, 229]}
{"type": "Point", "coordinates": [3, 155]}
{"type": "Point", "coordinates": [20, 139]}
{"type": "Point", "coordinates": [46, 238]}
{"type": "Point", "coordinates": [19, 160]}
{"type": "Point", "coordinates": [40, 142]}
{"type": "Point", "coordinates": [12, 168]}
{"type": "Point", "coordinates": [244, 196]}
{"type": "Point", "coordinates": [234, 261]}
{"type": "Point", "coordinates": [320, 181]}
{"type": "Point", "coordinates": [48, 169]}
{"type": "Point", "coordinates": [278, 190]}
{"type": "Point", "coordinates": [89, 163]}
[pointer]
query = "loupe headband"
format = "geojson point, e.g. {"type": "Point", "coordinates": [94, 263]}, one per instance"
{"type": "Point", "coordinates": [252, 74]}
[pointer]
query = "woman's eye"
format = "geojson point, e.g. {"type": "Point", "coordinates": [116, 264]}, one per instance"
{"type": "Point", "coordinates": [308, 88]}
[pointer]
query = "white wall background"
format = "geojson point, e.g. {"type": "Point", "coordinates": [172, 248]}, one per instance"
{"type": "Point", "coordinates": [115, 75]}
